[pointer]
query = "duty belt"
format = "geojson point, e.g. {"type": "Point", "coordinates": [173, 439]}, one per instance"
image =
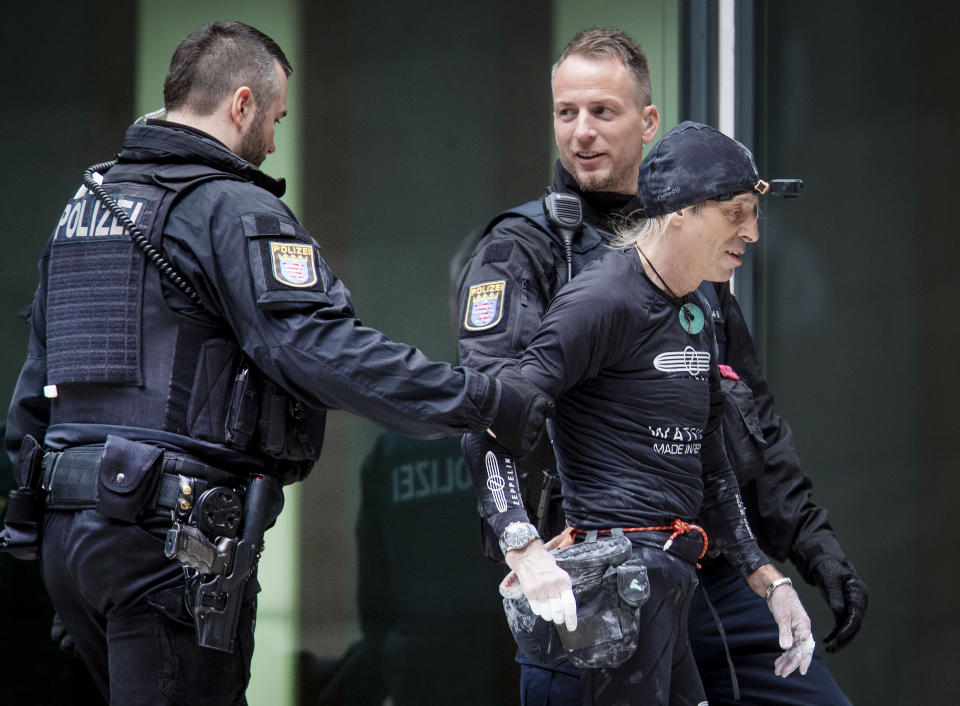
{"type": "Point", "coordinates": [69, 480]}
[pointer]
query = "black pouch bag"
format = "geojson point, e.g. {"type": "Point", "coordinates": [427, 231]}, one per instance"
{"type": "Point", "coordinates": [609, 585]}
{"type": "Point", "coordinates": [127, 479]}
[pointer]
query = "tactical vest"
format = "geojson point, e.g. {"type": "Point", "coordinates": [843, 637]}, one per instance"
{"type": "Point", "coordinates": [120, 355]}
{"type": "Point", "coordinates": [540, 488]}
{"type": "Point", "coordinates": [587, 243]}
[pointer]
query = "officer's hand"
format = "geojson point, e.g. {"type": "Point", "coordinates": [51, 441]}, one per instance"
{"type": "Point", "coordinates": [796, 638]}
{"type": "Point", "coordinates": [58, 633]}
{"type": "Point", "coordinates": [846, 594]}
{"type": "Point", "coordinates": [547, 587]}
{"type": "Point", "coordinates": [523, 411]}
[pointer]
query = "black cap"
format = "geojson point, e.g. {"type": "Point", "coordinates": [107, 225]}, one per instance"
{"type": "Point", "coordinates": [693, 163]}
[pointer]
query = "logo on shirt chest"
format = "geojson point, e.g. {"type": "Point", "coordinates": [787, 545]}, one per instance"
{"type": "Point", "coordinates": [688, 360]}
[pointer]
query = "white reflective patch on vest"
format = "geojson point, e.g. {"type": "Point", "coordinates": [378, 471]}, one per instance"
{"type": "Point", "coordinates": [293, 264]}
{"type": "Point", "coordinates": [485, 305]}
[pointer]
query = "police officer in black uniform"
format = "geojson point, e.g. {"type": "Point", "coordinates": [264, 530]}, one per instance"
{"type": "Point", "coordinates": [186, 339]}
{"type": "Point", "coordinates": [603, 117]}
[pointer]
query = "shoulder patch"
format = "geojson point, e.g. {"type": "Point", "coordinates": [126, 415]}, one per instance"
{"type": "Point", "coordinates": [293, 264]}
{"type": "Point", "coordinates": [485, 305]}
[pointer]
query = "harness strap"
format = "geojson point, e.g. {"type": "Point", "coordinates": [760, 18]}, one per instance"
{"type": "Point", "coordinates": [723, 638]}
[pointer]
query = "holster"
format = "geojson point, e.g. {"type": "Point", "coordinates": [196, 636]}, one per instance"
{"type": "Point", "coordinates": [20, 535]}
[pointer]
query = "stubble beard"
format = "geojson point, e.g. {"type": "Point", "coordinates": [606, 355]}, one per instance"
{"type": "Point", "coordinates": [595, 181]}
{"type": "Point", "coordinates": [253, 147]}
{"type": "Point", "coordinates": [601, 180]}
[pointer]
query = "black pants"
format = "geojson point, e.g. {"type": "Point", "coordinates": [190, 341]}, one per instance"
{"type": "Point", "coordinates": [122, 602]}
{"type": "Point", "coordinates": [662, 671]}
{"type": "Point", "coordinates": [753, 640]}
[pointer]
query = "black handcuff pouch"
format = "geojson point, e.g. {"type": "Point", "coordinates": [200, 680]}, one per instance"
{"type": "Point", "coordinates": [20, 534]}
{"type": "Point", "coordinates": [127, 478]}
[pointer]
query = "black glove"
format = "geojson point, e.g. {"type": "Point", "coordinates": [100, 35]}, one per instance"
{"type": "Point", "coordinates": [523, 411]}
{"type": "Point", "coordinates": [58, 633]}
{"type": "Point", "coordinates": [846, 594]}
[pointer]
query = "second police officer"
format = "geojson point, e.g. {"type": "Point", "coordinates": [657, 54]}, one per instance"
{"type": "Point", "coordinates": [603, 116]}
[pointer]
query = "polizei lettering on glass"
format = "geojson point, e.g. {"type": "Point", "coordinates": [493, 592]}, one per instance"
{"type": "Point", "coordinates": [86, 218]}
{"type": "Point", "coordinates": [428, 478]}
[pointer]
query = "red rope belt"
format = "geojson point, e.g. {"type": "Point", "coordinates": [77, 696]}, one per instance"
{"type": "Point", "coordinates": [678, 526]}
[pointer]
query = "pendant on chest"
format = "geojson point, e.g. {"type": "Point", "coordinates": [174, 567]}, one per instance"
{"type": "Point", "coordinates": [691, 318]}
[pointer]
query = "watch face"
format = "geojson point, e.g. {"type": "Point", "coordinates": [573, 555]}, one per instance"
{"type": "Point", "coordinates": [517, 536]}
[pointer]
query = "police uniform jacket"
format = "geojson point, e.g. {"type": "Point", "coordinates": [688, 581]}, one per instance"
{"type": "Point", "coordinates": [131, 355]}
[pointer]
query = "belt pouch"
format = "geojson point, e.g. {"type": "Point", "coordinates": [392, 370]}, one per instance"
{"type": "Point", "coordinates": [29, 461]}
{"type": "Point", "coordinates": [127, 478]}
{"type": "Point", "coordinates": [610, 586]}
{"type": "Point", "coordinates": [23, 514]}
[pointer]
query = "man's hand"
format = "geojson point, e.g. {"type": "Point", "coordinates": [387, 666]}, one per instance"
{"type": "Point", "coordinates": [546, 586]}
{"type": "Point", "coordinates": [846, 594]}
{"type": "Point", "coordinates": [521, 415]}
{"type": "Point", "coordinates": [796, 639]}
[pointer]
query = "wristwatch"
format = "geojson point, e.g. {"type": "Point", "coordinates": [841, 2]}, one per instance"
{"type": "Point", "coordinates": [517, 535]}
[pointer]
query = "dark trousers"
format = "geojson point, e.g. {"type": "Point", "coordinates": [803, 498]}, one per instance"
{"type": "Point", "coordinates": [752, 638]}
{"type": "Point", "coordinates": [661, 672]}
{"type": "Point", "coordinates": [122, 602]}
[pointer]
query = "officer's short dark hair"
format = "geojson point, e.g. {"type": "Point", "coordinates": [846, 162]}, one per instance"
{"type": "Point", "coordinates": [215, 60]}
{"type": "Point", "coordinates": [598, 43]}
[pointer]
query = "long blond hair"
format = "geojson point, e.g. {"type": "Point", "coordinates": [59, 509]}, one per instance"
{"type": "Point", "coordinates": [640, 231]}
